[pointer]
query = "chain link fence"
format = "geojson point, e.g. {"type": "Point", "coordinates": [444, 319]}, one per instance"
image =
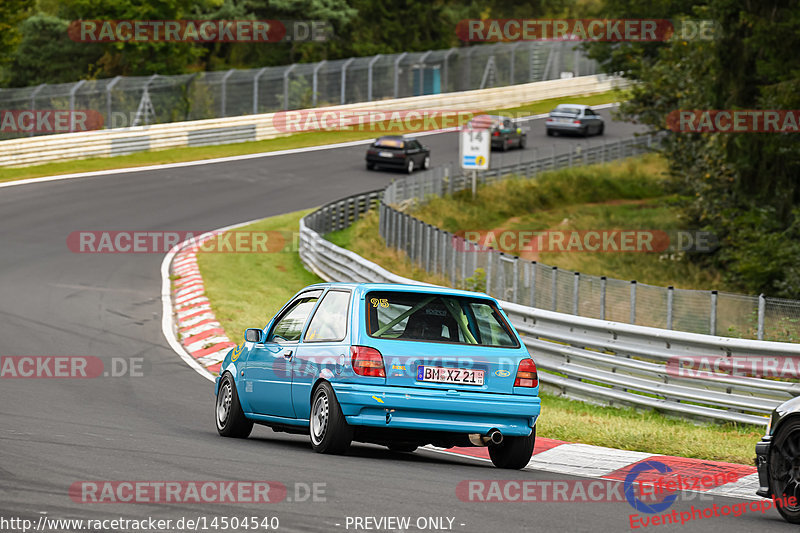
{"type": "Point", "coordinates": [136, 101]}
{"type": "Point", "coordinates": [474, 267]}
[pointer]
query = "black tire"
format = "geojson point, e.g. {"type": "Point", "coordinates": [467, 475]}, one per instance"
{"type": "Point", "coordinates": [550, 133]}
{"type": "Point", "coordinates": [522, 141]}
{"type": "Point", "coordinates": [513, 453]}
{"type": "Point", "coordinates": [228, 414]}
{"type": "Point", "coordinates": [330, 432]}
{"type": "Point", "coordinates": [370, 166]}
{"type": "Point", "coordinates": [585, 132]}
{"type": "Point", "coordinates": [402, 448]}
{"type": "Point", "coordinates": [410, 165]}
{"type": "Point", "coordinates": [601, 129]}
{"type": "Point", "coordinates": [784, 467]}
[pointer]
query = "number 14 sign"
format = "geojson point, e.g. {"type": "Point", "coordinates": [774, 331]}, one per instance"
{"type": "Point", "coordinates": [474, 147]}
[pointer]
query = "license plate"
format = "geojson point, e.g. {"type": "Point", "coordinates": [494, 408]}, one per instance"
{"type": "Point", "coordinates": [386, 154]}
{"type": "Point", "coordinates": [459, 376]}
{"type": "Point", "coordinates": [565, 120]}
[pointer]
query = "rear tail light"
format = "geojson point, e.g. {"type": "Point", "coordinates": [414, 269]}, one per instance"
{"type": "Point", "coordinates": [576, 121]}
{"type": "Point", "coordinates": [526, 374]}
{"type": "Point", "coordinates": [496, 134]}
{"type": "Point", "coordinates": [367, 361]}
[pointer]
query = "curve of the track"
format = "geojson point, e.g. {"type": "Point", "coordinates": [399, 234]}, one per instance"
{"type": "Point", "coordinates": [55, 432]}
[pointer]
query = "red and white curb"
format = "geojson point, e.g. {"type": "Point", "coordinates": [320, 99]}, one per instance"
{"type": "Point", "coordinates": [598, 462]}
{"type": "Point", "coordinates": [187, 315]}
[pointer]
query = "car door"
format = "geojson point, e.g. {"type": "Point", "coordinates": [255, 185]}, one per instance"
{"type": "Point", "coordinates": [324, 350]}
{"type": "Point", "coordinates": [413, 151]}
{"type": "Point", "coordinates": [268, 374]}
{"type": "Point", "coordinates": [593, 120]}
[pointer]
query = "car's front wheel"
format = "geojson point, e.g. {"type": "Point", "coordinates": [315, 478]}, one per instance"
{"type": "Point", "coordinates": [513, 453]}
{"type": "Point", "coordinates": [410, 166]}
{"type": "Point", "coordinates": [229, 415]}
{"type": "Point", "coordinates": [330, 432]}
{"type": "Point", "coordinates": [784, 468]}
{"type": "Point", "coordinates": [426, 163]}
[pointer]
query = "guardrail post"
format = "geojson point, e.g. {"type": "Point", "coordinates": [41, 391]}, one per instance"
{"type": "Point", "coordinates": [515, 284]}
{"type": "Point", "coordinates": [369, 76]}
{"type": "Point", "coordinates": [534, 267]}
{"type": "Point", "coordinates": [762, 309]}
{"type": "Point", "coordinates": [453, 255]}
{"type": "Point", "coordinates": [433, 254]}
{"type": "Point", "coordinates": [255, 89]}
{"type": "Point", "coordinates": [344, 78]}
{"type": "Point", "coordinates": [286, 73]}
{"type": "Point", "coordinates": [72, 104]}
{"type": "Point", "coordinates": [554, 289]}
{"type": "Point", "coordinates": [109, 86]}
{"type": "Point", "coordinates": [314, 82]}
{"type": "Point", "coordinates": [670, 303]}
{"type": "Point", "coordinates": [413, 227]}
{"type": "Point", "coordinates": [713, 325]}
{"type": "Point", "coordinates": [576, 284]}
{"type": "Point", "coordinates": [602, 297]}
{"type": "Point", "coordinates": [397, 73]}
{"type": "Point", "coordinates": [633, 302]}
{"type": "Point", "coordinates": [446, 69]}
{"type": "Point", "coordinates": [225, 91]}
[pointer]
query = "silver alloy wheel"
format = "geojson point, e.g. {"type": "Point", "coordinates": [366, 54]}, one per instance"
{"type": "Point", "coordinates": [224, 399]}
{"type": "Point", "coordinates": [426, 163]}
{"type": "Point", "coordinates": [319, 418]}
{"type": "Point", "coordinates": [410, 166]}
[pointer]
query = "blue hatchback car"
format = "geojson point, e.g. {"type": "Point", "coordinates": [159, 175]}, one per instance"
{"type": "Point", "coordinates": [396, 365]}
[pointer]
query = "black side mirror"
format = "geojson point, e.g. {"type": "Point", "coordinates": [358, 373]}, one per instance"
{"type": "Point", "coordinates": [254, 335]}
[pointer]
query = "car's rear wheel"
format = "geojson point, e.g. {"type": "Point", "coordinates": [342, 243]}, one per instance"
{"type": "Point", "coordinates": [330, 432]}
{"type": "Point", "coordinates": [426, 163]}
{"type": "Point", "coordinates": [370, 165]}
{"type": "Point", "coordinates": [522, 141]}
{"type": "Point", "coordinates": [410, 166]}
{"type": "Point", "coordinates": [550, 133]}
{"type": "Point", "coordinates": [230, 418]}
{"type": "Point", "coordinates": [784, 468]}
{"type": "Point", "coordinates": [513, 453]}
{"type": "Point", "coordinates": [403, 448]}
{"type": "Point", "coordinates": [601, 129]}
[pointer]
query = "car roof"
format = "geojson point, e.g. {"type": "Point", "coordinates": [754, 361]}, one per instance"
{"type": "Point", "coordinates": [395, 138]}
{"type": "Point", "coordinates": [578, 106]}
{"type": "Point", "coordinates": [366, 287]}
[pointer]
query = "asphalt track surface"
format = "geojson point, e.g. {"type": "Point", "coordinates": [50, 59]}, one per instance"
{"type": "Point", "coordinates": [159, 426]}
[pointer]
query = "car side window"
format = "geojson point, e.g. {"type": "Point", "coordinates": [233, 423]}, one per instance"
{"type": "Point", "coordinates": [329, 322]}
{"type": "Point", "coordinates": [290, 325]}
{"type": "Point", "coordinates": [413, 145]}
{"type": "Point", "coordinates": [588, 113]}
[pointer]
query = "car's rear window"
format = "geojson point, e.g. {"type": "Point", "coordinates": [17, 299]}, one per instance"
{"type": "Point", "coordinates": [389, 143]}
{"type": "Point", "coordinates": [436, 318]}
{"type": "Point", "coordinates": [567, 110]}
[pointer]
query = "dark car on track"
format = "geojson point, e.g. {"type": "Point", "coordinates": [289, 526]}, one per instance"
{"type": "Point", "coordinates": [576, 119]}
{"type": "Point", "coordinates": [393, 151]}
{"type": "Point", "coordinates": [778, 459]}
{"type": "Point", "coordinates": [505, 133]}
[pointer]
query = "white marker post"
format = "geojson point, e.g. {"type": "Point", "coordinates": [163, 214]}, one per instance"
{"type": "Point", "coordinates": [474, 148]}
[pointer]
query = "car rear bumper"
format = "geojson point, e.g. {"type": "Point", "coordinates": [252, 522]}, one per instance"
{"type": "Point", "coordinates": [437, 410]}
{"type": "Point", "coordinates": [387, 161]}
{"type": "Point", "coordinates": [565, 127]}
{"type": "Point", "coordinates": [762, 464]}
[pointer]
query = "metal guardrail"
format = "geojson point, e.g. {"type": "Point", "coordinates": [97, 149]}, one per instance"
{"type": "Point", "coordinates": [127, 101]}
{"type": "Point", "coordinates": [106, 143]}
{"type": "Point", "coordinates": [536, 284]}
{"type": "Point", "coordinates": [591, 359]}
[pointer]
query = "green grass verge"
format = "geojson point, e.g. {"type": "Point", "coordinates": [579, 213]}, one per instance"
{"type": "Point", "coordinates": [299, 140]}
{"type": "Point", "coordinates": [245, 290]}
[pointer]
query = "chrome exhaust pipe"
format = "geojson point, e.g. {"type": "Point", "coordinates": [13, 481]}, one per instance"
{"type": "Point", "coordinates": [493, 437]}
